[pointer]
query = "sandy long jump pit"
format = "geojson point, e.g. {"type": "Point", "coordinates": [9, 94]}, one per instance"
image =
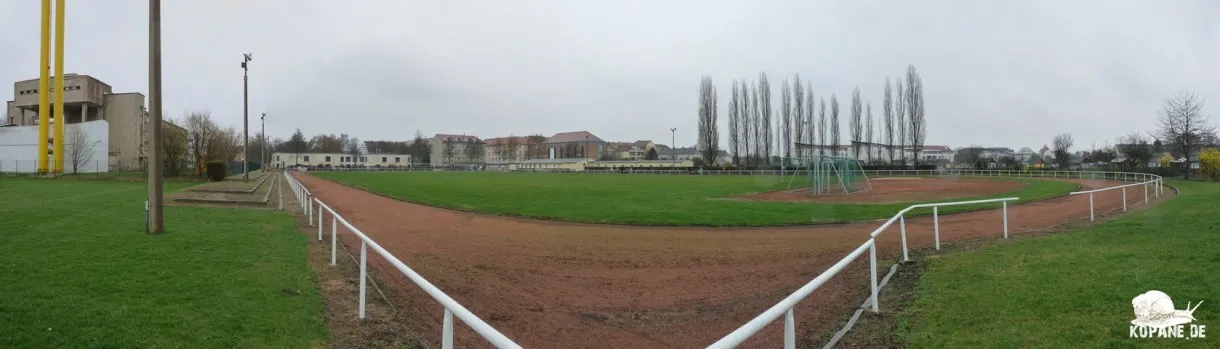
{"type": "Point", "coordinates": [887, 190]}
{"type": "Point", "coordinates": [548, 284]}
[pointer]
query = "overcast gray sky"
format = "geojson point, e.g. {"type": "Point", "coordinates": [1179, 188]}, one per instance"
{"type": "Point", "coordinates": [996, 73]}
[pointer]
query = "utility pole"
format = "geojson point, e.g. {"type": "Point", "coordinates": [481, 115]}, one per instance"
{"type": "Point", "coordinates": [156, 224]}
{"type": "Point", "coordinates": [673, 147]}
{"type": "Point", "coordinates": [245, 117]}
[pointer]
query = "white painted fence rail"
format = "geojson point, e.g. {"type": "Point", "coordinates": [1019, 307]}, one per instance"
{"type": "Point", "coordinates": [786, 306]}
{"type": "Point", "coordinates": [452, 308]}
{"type": "Point", "coordinates": [1157, 184]}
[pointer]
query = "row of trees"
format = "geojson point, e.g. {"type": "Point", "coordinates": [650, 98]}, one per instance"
{"type": "Point", "coordinates": [802, 128]}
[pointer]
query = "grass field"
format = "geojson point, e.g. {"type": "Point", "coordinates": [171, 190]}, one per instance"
{"type": "Point", "coordinates": [633, 199]}
{"type": "Point", "coordinates": [1074, 290]}
{"type": "Point", "coordinates": [77, 270]}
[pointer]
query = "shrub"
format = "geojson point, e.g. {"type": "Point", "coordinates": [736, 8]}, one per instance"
{"type": "Point", "coordinates": [1209, 163]}
{"type": "Point", "coordinates": [217, 170]}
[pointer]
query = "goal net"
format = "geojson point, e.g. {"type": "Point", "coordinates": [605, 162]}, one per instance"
{"type": "Point", "coordinates": [825, 174]}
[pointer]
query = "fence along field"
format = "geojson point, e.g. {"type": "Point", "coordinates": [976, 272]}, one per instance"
{"type": "Point", "coordinates": [1001, 222]}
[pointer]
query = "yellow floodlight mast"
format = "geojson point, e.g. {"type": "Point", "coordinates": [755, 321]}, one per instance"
{"type": "Point", "coordinates": [44, 66]}
{"type": "Point", "coordinates": [61, 118]}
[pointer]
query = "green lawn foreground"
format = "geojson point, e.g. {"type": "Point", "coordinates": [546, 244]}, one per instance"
{"type": "Point", "coordinates": [1074, 290]}
{"type": "Point", "coordinates": [637, 199]}
{"type": "Point", "coordinates": [77, 270]}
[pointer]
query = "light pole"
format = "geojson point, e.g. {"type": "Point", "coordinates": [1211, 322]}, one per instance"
{"type": "Point", "coordinates": [245, 117]}
{"type": "Point", "coordinates": [586, 148]}
{"type": "Point", "coordinates": [673, 147]}
{"type": "Point", "coordinates": [156, 224]}
{"type": "Point", "coordinates": [262, 148]}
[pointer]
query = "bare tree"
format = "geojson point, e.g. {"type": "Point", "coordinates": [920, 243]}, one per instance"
{"type": "Point", "coordinates": [513, 144]}
{"type": "Point", "coordinates": [854, 124]}
{"type": "Point", "coordinates": [900, 111]}
{"type": "Point", "coordinates": [202, 131]}
{"type": "Point", "coordinates": [1062, 145]}
{"type": "Point", "coordinates": [755, 127]}
{"type": "Point", "coordinates": [785, 129]}
{"type": "Point", "coordinates": [747, 125]}
{"type": "Point", "coordinates": [709, 136]}
{"type": "Point", "coordinates": [1182, 124]}
{"type": "Point", "coordinates": [834, 125]}
{"type": "Point", "coordinates": [473, 150]}
{"type": "Point", "coordinates": [808, 118]}
{"type": "Point", "coordinates": [764, 104]}
{"type": "Point", "coordinates": [868, 131]}
{"type": "Point", "coordinates": [888, 114]}
{"type": "Point", "coordinates": [734, 119]}
{"type": "Point", "coordinates": [352, 147]}
{"type": "Point", "coordinates": [917, 127]}
{"type": "Point", "coordinates": [1136, 151]}
{"type": "Point", "coordinates": [798, 113]}
{"type": "Point", "coordinates": [175, 145]}
{"type": "Point", "coordinates": [448, 150]}
{"type": "Point", "coordinates": [79, 148]}
{"type": "Point", "coordinates": [971, 156]}
{"type": "Point", "coordinates": [822, 129]}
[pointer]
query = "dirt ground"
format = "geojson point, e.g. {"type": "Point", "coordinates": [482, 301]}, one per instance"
{"type": "Point", "coordinates": [901, 189]}
{"type": "Point", "coordinates": [549, 284]}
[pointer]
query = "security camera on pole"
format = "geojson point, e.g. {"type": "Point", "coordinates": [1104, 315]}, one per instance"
{"type": "Point", "coordinates": [245, 117]}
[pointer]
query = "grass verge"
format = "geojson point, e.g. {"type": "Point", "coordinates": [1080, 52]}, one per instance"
{"type": "Point", "coordinates": [1073, 290]}
{"type": "Point", "coordinates": [77, 270]}
{"type": "Point", "coordinates": [636, 199]}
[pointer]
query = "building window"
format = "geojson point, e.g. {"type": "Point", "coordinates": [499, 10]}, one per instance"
{"type": "Point", "coordinates": [383, 159]}
{"type": "Point", "coordinates": [306, 158]}
{"type": "Point", "coordinates": [396, 159]}
{"type": "Point", "coordinates": [277, 158]}
{"type": "Point", "coordinates": [364, 159]}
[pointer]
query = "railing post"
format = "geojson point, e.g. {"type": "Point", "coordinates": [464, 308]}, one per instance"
{"type": "Point", "coordinates": [1124, 199]}
{"type": "Point", "coordinates": [872, 266]}
{"type": "Point", "coordinates": [334, 232]}
{"type": "Point", "coordinates": [447, 331]}
{"type": "Point", "coordinates": [1146, 193]}
{"type": "Point", "coordinates": [1091, 207]}
{"type": "Point", "coordinates": [363, 273]}
{"type": "Point", "coordinates": [936, 225]}
{"type": "Point", "coordinates": [902, 226]}
{"type": "Point", "coordinates": [310, 208]}
{"type": "Point", "coordinates": [789, 330]}
{"type": "Point", "coordinates": [319, 224]}
{"type": "Point", "coordinates": [1005, 219]}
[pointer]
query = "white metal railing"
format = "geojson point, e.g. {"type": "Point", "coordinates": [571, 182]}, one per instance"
{"type": "Point", "coordinates": [785, 306]}
{"type": "Point", "coordinates": [452, 307]}
{"type": "Point", "coordinates": [1157, 184]}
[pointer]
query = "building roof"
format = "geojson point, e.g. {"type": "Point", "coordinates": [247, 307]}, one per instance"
{"type": "Point", "coordinates": [641, 144]}
{"type": "Point", "coordinates": [456, 138]}
{"type": "Point", "coordinates": [574, 137]}
{"type": "Point", "coordinates": [521, 140]}
{"type": "Point", "coordinates": [936, 148]}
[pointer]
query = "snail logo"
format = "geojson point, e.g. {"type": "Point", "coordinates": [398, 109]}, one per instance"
{"type": "Point", "coordinates": [1155, 317]}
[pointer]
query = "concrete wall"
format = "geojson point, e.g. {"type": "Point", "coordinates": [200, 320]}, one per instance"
{"type": "Point", "coordinates": [18, 148]}
{"type": "Point", "coordinates": [126, 114]}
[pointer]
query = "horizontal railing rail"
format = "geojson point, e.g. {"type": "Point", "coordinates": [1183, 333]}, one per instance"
{"type": "Point", "coordinates": [452, 307]}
